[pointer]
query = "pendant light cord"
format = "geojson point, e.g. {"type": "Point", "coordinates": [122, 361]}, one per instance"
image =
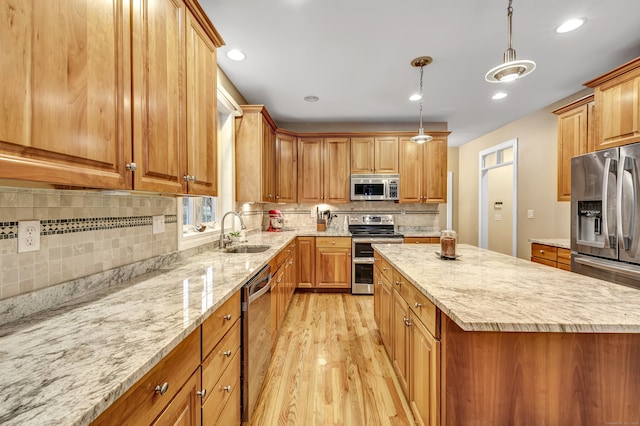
{"type": "Point", "coordinates": [509, 14]}
{"type": "Point", "coordinates": [421, 73]}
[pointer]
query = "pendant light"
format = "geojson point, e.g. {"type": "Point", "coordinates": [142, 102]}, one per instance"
{"type": "Point", "coordinates": [421, 62]}
{"type": "Point", "coordinates": [511, 69]}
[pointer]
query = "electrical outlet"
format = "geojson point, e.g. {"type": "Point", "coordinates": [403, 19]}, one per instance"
{"type": "Point", "coordinates": [28, 236]}
{"type": "Point", "coordinates": [529, 214]}
{"type": "Point", "coordinates": [157, 224]}
{"type": "Point", "coordinates": [498, 216]}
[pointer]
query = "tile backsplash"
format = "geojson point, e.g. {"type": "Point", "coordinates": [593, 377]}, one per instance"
{"type": "Point", "coordinates": [82, 233]}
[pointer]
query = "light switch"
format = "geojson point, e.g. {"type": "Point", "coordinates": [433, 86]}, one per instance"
{"type": "Point", "coordinates": [529, 214]}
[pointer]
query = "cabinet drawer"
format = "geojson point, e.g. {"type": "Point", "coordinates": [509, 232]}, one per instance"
{"type": "Point", "coordinates": [544, 252]}
{"type": "Point", "coordinates": [220, 358]}
{"type": "Point", "coordinates": [222, 392]}
{"type": "Point", "coordinates": [342, 242]}
{"type": "Point", "coordinates": [421, 240]}
{"type": "Point", "coordinates": [422, 307]}
{"type": "Point", "coordinates": [141, 404]}
{"type": "Point", "coordinates": [230, 414]}
{"type": "Point", "coordinates": [564, 256]}
{"type": "Point", "coordinates": [544, 261]}
{"type": "Point", "coordinates": [221, 321]}
{"type": "Point", "coordinates": [384, 266]}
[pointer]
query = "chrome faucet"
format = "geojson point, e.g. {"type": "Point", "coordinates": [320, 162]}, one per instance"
{"type": "Point", "coordinates": [224, 241]}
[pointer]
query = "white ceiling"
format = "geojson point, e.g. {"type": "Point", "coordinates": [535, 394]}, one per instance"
{"type": "Point", "coordinates": [355, 54]}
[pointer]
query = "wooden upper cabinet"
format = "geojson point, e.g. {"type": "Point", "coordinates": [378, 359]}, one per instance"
{"type": "Point", "coordinates": [323, 170]}
{"type": "Point", "coordinates": [362, 155]}
{"type": "Point", "coordinates": [64, 115]}
{"type": "Point", "coordinates": [336, 161]}
{"type": "Point", "coordinates": [159, 92]}
{"type": "Point", "coordinates": [617, 106]}
{"type": "Point", "coordinates": [423, 170]}
{"type": "Point", "coordinates": [286, 168]}
{"type": "Point", "coordinates": [434, 172]}
{"type": "Point", "coordinates": [374, 155]}
{"type": "Point", "coordinates": [255, 155]}
{"type": "Point", "coordinates": [386, 154]}
{"type": "Point", "coordinates": [574, 136]}
{"type": "Point", "coordinates": [201, 117]}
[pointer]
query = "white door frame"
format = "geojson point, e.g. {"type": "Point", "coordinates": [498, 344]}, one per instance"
{"type": "Point", "coordinates": [483, 191]}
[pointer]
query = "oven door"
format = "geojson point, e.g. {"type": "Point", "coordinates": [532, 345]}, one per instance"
{"type": "Point", "coordinates": [362, 262]}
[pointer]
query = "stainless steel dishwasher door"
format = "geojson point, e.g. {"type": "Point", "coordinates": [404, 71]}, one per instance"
{"type": "Point", "coordinates": [256, 338]}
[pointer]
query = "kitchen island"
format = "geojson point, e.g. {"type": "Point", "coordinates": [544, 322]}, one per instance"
{"type": "Point", "coordinates": [520, 343]}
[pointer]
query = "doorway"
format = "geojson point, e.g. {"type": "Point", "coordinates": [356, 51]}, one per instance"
{"type": "Point", "coordinates": [498, 198]}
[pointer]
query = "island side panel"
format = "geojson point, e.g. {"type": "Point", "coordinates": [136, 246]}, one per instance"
{"type": "Point", "coordinates": [493, 378]}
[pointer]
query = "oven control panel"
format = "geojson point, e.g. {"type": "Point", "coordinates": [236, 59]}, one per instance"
{"type": "Point", "coordinates": [367, 219]}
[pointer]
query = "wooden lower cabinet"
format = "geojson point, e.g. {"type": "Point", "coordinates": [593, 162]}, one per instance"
{"type": "Point", "coordinates": [197, 383]}
{"type": "Point", "coordinates": [556, 257]}
{"type": "Point", "coordinates": [424, 365]}
{"type": "Point", "coordinates": [333, 262]}
{"type": "Point", "coordinates": [184, 408]}
{"type": "Point", "coordinates": [306, 249]}
{"type": "Point", "coordinates": [400, 329]}
{"type": "Point", "coordinates": [422, 240]}
{"type": "Point", "coordinates": [283, 285]}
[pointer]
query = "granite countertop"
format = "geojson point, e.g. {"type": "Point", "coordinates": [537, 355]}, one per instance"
{"type": "Point", "coordinates": [66, 365]}
{"type": "Point", "coordinates": [488, 291]}
{"type": "Point", "coordinates": [554, 242]}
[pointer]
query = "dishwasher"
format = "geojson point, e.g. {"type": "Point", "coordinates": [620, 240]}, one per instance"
{"type": "Point", "coordinates": [256, 338]}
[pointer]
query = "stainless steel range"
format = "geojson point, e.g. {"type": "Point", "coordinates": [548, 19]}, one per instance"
{"type": "Point", "coordinates": [365, 230]}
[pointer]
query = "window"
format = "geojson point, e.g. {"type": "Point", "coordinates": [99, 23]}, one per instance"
{"type": "Point", "coordinates": [200, 215]}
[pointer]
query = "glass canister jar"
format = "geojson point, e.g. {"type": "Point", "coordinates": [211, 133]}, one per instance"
{"type": "Point", "coordinates": [448, 240]}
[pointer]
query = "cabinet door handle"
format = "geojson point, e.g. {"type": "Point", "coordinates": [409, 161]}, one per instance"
{"type": "Point", "coordinates": [227, 317]}
{"type": "Point", "coordinates": [406, 321]}
{"type": "Point", "coordinates": [201, 393]}
{"type": "Point", "coordinates": [398, 282]}
{"type": "Point", "coordinates": [417, 305]}
{"type": "Point", "coordinates": [227, 388]}
{"type": "Point", "coordinates": [162, 389]}
{"type": "Point", "coordinates": [379, 282]}
{"type": "Point", "coordinates": [226, 353]}
{"type": "Point", "coordinates": [131, 167]}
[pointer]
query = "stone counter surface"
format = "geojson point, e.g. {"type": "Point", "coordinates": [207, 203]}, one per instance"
{"type": "Point", "coordinates": [554, 242]}
{"type": "Point", "coordinates": [488, 291]}
{"type": "Point", "coordinates": [66, 365]}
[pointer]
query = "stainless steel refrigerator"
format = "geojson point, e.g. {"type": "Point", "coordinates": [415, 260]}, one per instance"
{"type": "Point", "coordinates": [605, 221]}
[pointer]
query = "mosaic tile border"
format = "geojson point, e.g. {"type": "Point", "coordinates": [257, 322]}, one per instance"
{"type": "Point", "coordinates": [9, 230]}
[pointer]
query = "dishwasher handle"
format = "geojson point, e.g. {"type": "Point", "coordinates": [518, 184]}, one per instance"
{"type": "Point", "coordinates": [256, 286]}
{"type": "Point", "coordinates": [260, 292]}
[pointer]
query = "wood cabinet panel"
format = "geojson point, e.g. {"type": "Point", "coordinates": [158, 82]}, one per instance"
{"type": "Point", "coordinates": [220, 358]}
{"type": "Point", "coordinates": [422, 240]}
{"type": "Point", "coordinates": [330, 242]}
{"type": "Point", "coordinates": [386, 154]}
{"type": "Point", "coordinates": [400, 339]}
{"type": "Point", "coordinates": [333, 267]}
{"type": "Point", "coordinates": [544, 252]}
{"type": "Point", "coordinates": [617, 106]}
{"type": "Point", "coordinates": [310, 177]}
{"type": "Point", "coordinates": [411, 163]}
{"type": "Point", "coordinates": [386, 314]}
{"type": "Point", "coordinates": [575, 137]}
{"type": "Point", "coordinates": [158, 55]}
{"type": "Point", "coordinates": [230, 414]}
{"type": "Point", "coordinates": [222, 392]}
{"type": "Point", "coordinates": [286, 169]}
{"type": "Point", "coordinates": [336, 170]}
{"type": "Point", "coordinates": [306, 262]}
{"type": "Point", "coordinates": [65, 114]}
{"type": "Point", "coordinates": [219, 323]}
{"type": "Point", "coordinates": [434, 171]}
{"type": "Point", "coordinates": [268, 164]}
{"type": "Point", "coordinates": [544, 261]}
{"type": "Point", "coordinates": [424, 367]}
{"type": "Point", "coordinates": [184, 409]}
{"type": "Point", "coordinates": [201, 111]}
{"type": "Point", "coordinates": [564, 256]}
{"type": "Point", "coordinates": [362, 155]}
{"type": "Point", "coordinates": [552, 378]}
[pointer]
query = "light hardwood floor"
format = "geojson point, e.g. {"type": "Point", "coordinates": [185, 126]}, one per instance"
{"type": "Point", "coordinates": [329, 368]}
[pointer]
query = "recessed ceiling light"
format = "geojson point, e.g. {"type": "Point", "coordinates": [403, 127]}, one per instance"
{"type": "Point", "coordinates": [236, 55]}
{"type": "Point", "coordinates": [499, 95]}
{"type": "Point", "coordinates": [311, 98]}
{"type": "Point", "coordinates": [570, 25]}
{"type": "Point", "coordinates": [415, 97]}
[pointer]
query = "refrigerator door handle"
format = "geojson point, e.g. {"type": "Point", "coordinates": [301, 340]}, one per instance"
{"type": "Point", "coordinates": [628, 166]}
{"type": "Point", "coordinates": [605, 216]}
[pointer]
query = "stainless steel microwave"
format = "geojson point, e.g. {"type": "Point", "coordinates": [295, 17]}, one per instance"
{"type": "Point", "coordinates": [375, 187]}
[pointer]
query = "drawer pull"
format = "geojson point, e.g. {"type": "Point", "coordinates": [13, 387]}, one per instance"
{"type": "Point", "coordinates": [333, 242]}
{"type": "Point", "coordinates": [227, 388]}
{"type": "Point", "coordinates": [542, 251]}
{"type": "Point", "coordinates": [417, 305]}
{"type": "Point", "coordinates": [201, 393]}
{"type": "Point", "coordinates": [227, 317]}
{"type": "Point", "coordinates": [162, 389]}
{"type": "Point", "coordinates": [398, 282]}
{"type": "Point", "coordinates": [379, 282]}
{"type": "Point", "coordinates": [226, 353]}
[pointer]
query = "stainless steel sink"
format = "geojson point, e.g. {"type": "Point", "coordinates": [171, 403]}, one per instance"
{"type": "Point", "coordinates": [247, 249]}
